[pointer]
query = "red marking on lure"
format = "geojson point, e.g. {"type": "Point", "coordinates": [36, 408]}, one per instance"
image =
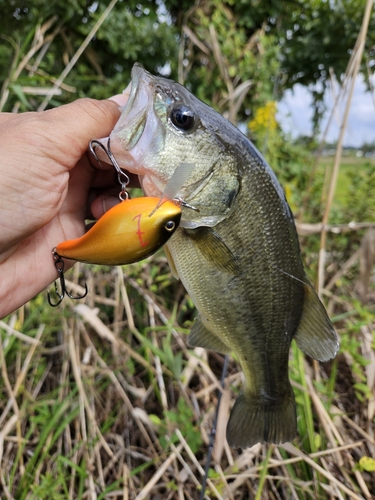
{"type": "Point", "coordinates": [139, 232]}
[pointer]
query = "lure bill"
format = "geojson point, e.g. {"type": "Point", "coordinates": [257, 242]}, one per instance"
{"type": "Point", "coordinates": [129, 232]}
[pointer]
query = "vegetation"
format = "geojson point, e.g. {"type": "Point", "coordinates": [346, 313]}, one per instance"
{"type": "Point", "coordinates": [102, 398]}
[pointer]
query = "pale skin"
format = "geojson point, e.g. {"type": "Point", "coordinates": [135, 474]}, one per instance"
{"type": "Point", "coordinates": [48, 186]}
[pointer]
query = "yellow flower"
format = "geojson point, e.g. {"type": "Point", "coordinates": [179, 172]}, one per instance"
{"type": "Point", "coordinates": [264, 119]}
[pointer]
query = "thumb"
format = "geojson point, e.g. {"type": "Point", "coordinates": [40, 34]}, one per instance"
{"type": "Point", "coordinates": [72, 126]}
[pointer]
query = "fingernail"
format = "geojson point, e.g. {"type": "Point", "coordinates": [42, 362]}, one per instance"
{"type": "Point", "coordinates": [120, 99]}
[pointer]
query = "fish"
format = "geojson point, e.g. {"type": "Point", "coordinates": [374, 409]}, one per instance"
{"type": "Point", "coordinates": [238, 256]}
{"type": "Point", "coordinates": [129, 232]}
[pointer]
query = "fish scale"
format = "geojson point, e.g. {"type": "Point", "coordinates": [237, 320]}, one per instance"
{"type": "Point", "coordinates": [238, 257]}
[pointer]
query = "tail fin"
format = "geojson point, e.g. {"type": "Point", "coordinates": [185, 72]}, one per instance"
{"type": "Point", "coordinates": [257, 419]}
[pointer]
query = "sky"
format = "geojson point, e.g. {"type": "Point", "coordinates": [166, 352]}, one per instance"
{"type": "Point", "coordinates": [295, 114]}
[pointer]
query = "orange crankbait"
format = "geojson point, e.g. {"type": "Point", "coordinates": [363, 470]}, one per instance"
{"type": "Point", "coordinates": [128, 232]}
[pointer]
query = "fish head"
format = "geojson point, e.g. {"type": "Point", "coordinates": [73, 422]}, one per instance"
{"type": "Point", "coordinates": [164, 125]}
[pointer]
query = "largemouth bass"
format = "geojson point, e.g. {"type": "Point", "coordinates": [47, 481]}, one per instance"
{"type": "Point", "coordinates": [238, 257]}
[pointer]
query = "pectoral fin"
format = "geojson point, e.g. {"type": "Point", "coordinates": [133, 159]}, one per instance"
{"type": "Point", "coordinates": [171, 262]}
{"type": "Point", "coordinates": [200, 336]}
{"type": "Point", "coordinates": [315, 334]}
{"type": "Point", "coordinates": [213, 249]}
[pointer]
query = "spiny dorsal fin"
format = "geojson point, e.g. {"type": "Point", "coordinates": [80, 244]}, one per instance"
{"type": "Point", "coordinates": [315, 333]}
{"type": "Point", "coordinates": [200, 336]}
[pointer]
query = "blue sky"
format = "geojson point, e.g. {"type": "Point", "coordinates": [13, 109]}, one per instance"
{"type": "Point", "coordinates": [295, 113]}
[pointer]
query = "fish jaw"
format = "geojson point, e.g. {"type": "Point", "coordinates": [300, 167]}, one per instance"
{"type": "Point", "coordinates": [138, 135]}
{"type": "Point", "coordinates": [138, 132]}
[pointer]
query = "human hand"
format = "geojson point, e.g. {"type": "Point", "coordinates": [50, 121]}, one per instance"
{"type": "Point", "coordinates": [47, 188]}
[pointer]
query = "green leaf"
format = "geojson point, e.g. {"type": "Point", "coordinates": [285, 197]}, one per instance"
{"type": "Point", "coordinates": [17, 89]}
{"type": "Point", "coordinates": [367, 464]}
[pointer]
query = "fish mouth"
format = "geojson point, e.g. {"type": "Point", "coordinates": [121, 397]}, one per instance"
{"type": "Point", "coordinates": [137, 96]}
{"type": "Point", "coordinates": [131, 125]}
{"type": "Point", "coordinates": [139, 131]}
{"type": "Point", "coordinates": [134, 128]}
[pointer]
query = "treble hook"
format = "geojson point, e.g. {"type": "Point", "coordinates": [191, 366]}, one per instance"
{"type": "Point", "coordinates": [59, 265]}
{"type": "Point", "coordinates": [121, 175]}
{"type": "Point", "coordinates": [183, 203]}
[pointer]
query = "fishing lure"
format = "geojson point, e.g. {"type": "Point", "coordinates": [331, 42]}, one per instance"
{"type": "Point", "coordinates": [129, 232]}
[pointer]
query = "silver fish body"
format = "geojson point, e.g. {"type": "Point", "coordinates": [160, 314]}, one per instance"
{"type": "Point", "coordinates": [238, 257]}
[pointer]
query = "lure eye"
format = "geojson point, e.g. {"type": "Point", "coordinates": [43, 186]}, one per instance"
{"type": "Point", "coordinates": [182, 118]}
{"type": "Point", "coordinates": [170, 225]}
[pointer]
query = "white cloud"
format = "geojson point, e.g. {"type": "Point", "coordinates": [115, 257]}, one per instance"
{"type": "Point", "coordinates": [295, 115]}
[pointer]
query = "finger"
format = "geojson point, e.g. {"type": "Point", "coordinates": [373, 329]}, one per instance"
{"type": "Point", "coordinates": [104, 202]}
{"type": "Point", "coordinates": [105, 164]}
{"type": "Point", "coordinates": [71, 127]}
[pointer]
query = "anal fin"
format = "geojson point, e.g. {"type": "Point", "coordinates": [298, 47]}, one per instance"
{"type": "Point", "coordinates": [200, 336]}
{"type": "Point", "coordinates": [315, 333]}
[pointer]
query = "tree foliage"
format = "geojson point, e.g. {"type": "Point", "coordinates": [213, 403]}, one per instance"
{"type": "Point", "coordinates": [275, 44]}
{"type": "Point", "coordinates": [235, 54]}
{"type": "Point", "coordinates": [133, 31]}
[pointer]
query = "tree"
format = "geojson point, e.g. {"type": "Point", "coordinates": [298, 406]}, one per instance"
{"type": "Point", "coordinates": [234, 54]}
{"type": "Point", "coordinates": [272, 43]}
{"type": "Point", "coordinates": [39, 38]}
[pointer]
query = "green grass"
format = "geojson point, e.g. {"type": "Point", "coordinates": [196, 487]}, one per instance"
{"type": "Point", "coordinates": [355, 178]}
{"type": "Point", "coordinates": [99, 414]}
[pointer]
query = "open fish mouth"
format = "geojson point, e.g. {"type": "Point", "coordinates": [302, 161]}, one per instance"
{"type": "Point", "coordinates": [136, 129]}
{"type": "Point", "coordinates": [133, 121]}
{"type": "Point", "coordinates": [139, 135]}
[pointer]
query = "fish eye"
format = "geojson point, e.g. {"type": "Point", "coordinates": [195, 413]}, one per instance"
{"type": "Point", "coordinates": [182, 117]}
{"type": "Point", "coordinates": [170, 225]}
